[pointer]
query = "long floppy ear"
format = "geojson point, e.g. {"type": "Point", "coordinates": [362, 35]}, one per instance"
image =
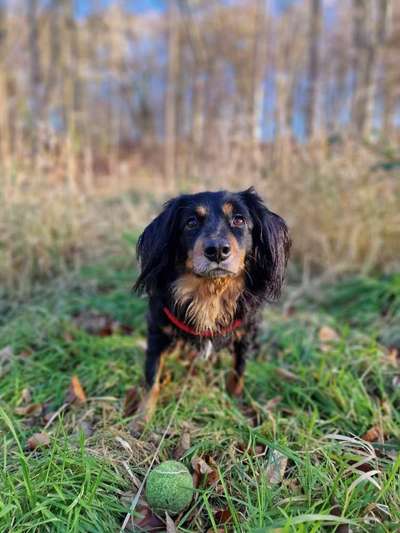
{"type": "Point", "coordinates": [271, 246]}
{"type": "Point", "coordinates": [156, 248]}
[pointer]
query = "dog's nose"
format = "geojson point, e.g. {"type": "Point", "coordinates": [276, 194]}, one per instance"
{"type": "Point", "coordinates": [217, 250]}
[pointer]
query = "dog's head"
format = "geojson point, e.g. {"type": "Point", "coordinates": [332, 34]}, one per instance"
{"type": "Point", "coordinates": [214, 235]}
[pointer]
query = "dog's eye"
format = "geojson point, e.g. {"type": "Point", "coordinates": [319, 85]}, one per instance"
{"type": "Point", "coordinates": [192, 223]}
{"type": "Point", "coordinates": [238, 221]}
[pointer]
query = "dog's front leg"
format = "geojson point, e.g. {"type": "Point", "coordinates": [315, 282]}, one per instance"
{"type": "Point", "coordinates": [158, 343]}
{"type": "Point", "coordinates": [235, 378]}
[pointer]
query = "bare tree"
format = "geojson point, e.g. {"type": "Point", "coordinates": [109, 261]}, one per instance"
{"type": "Point", "coordinates": [370, 19]}
{"type": "Point", "coordinates": [35, 75]}
{"type": "Point", "coordinates": [314, 45]}
{"type": "Point", "coordinates": [170, 100]}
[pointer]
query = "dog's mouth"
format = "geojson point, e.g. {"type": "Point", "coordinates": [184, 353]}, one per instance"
{"type": "Point", "coordinates": [217, 272]}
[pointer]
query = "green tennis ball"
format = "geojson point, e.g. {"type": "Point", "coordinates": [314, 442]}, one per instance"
{"type": "Point", "coordinates": [169, 487]}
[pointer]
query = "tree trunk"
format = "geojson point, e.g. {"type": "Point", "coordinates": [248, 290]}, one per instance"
{"type": "Point", "coordinates": [34, 73]}
{"type": "Point", "coordinates": [370, 23]}
{"type": "Point", "coordinates": [259, 61]}
{"type": "Point", "coordinates": [313, 67]}
{"type": "Point", "coordinates": [170, 103]}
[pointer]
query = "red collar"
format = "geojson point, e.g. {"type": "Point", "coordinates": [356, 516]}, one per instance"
{"type": "Point", "coordinates": [187, 329]}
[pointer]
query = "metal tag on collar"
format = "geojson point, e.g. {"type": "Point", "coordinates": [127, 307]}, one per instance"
{"type": "Point", "coordinates": [207, 350]}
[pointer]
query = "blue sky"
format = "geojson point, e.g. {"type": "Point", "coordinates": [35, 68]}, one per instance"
{"type": "Point", "coordinates": [85, 7]}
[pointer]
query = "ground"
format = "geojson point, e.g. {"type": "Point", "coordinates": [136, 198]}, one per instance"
{"type": "Point", "coordinates": [287, 457]}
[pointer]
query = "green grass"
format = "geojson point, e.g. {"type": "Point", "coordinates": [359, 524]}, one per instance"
{"type": "Point", "coordinates": [83, 480]}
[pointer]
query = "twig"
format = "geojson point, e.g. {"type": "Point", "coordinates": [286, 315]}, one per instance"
{"type": "Point", "coordinates": [56, 414]}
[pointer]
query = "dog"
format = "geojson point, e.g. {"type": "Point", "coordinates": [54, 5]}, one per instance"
{"type": "Point", "coordinates": [208, 262]}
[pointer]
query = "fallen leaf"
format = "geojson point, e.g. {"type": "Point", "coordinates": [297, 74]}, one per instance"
{"type": "Point", "coordinates": [286, 374]}
{"type": "Point", "coordinates": [373, 434]}
{"type": "Point", "coordinates": [326, 333]}
{"type": "Point", "coordinates": [327, 336]}
{"type": "Point", "coordinates": [38, 440]}
{"type": "Point", "coordinates": [75, 391]}
{"type": "Point", "coordinates": [222, 516]}
{"type": "Point", "coordinates": [252, 413]}
{"type": "Point", "coordinates": [26, 395]}
{"type": "Point", "coordinates": [205, 471]}
{"type": "Point", "coordinates": [94, 323]}
{"type": "Point", "coordinates": [276, 467]}
{"type": "Point", "coordinates": [125, 445]}
{"type": "Point", "coordinates": [260, 449]}
{"type": "Point", "coordinates": [183, 445]}
{"type": "Point", "coordinates": [6, 354]}
{"type": "Point", "coordinates": [200, 466]}
{"type": "Point", "coordinates": [170, 524]}
{"type": "Point", "coordinates": [393, 356]}
{"type": "Point", "coordinates": [145, 519]}
{"type": "Point", "coordinates": [33, 409]}
{"type": "Point", "coordinates": [100, 324]}
{"type": "Point", "coordinates": [131, 402]}
{"type": "Point", "coordinates": [48, 416]}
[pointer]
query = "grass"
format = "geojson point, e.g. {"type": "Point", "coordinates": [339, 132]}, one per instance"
{"type": "Point", "coordinates": [306, 405]}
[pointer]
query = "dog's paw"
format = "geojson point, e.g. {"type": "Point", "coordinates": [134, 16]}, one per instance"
{"type": "Point", "coordinates": [234, 383]}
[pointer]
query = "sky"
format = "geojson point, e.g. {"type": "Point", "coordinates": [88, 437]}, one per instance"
{"type": "Point", "coordinates": [85, 7]}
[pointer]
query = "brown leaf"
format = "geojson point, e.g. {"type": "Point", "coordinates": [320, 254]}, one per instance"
{"type": "Point", "coordinates": [132, 401]}
{"type": "Point", "coordinates": [48, 416]}
{"type": "Point", "coordinates": [222, 516]}
{"type": "Point", "coordinates": [373, 434]}
{"type": "Point", "coordinates": [37, 440]}
{"type": "Point", "coordinates": [252, 413]}
{"type": "Point", "coordinates": [75, 391]}
{"type": "Point", "coordinates": [26, 395]}
{"type": "Point", "coordinates": [170, 524]}
{"type": "Point", "coordinates": [200, 466]}
{"type": "Point", "coordinates": [93, 323]}
{"type": "Point", "coordinates": [100, 324]}
{"type": "Point", "coordinates": [287, 375]}
{"type": "Point", "coordinates": [33, 409]}
{"type": "Point", "coordinates": [276, 467]}
{"type": "Point", "coordinates": [183, 445]}
{"type": "Point", "coordinates": [145, 519]}
{"type": "Point", "coordinates": [205, 471]}
{"type": "Point", "coordinates": [327, 336]}
{"type": "Point", "coordinates": [393, 356]}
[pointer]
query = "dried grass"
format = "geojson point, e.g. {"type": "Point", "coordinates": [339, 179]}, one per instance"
{"type": "Point", "coordinates": [343, 214]}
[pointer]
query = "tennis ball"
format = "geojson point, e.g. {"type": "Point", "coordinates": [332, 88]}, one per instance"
{"type": "Point", "coordinates": [169, 487]}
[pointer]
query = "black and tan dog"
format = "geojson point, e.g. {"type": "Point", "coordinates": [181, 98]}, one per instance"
{"type": "Point", "coordinates": [208, 263]}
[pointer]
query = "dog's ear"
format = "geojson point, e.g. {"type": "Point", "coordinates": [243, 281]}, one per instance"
{"type": "Point", "coordinates": [156, 249]}
{"type": "Point", "coordinates": [271, 245]}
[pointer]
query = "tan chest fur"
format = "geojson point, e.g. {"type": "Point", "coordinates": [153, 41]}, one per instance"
{"type": "Point", "coordinates": [211, 303]}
